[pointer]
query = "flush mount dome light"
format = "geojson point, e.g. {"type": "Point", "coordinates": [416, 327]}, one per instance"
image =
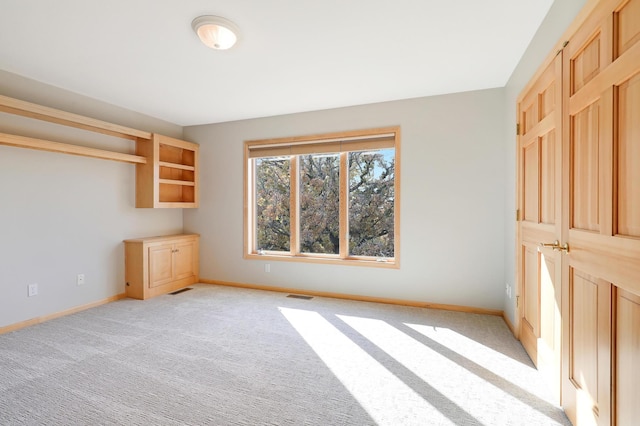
{"type": "Point", "coordinates": [215, 32]}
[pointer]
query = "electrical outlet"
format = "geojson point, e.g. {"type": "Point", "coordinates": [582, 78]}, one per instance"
{"type": "Point", "coordinates": [267, 267]}
{"type": "Point", "coordinates": [508, 290]}
{"type": "Point", "coordinates": [32, 290]}
{"type": "Point", "coordinates": [80, 279]}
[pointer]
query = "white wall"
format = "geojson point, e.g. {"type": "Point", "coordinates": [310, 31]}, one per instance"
{"type": "Point", "coordinates": [452, 215]}
{"type": "Point", "coordinates": [558, 19]}
{"type": "Point", "coordinates": [61, 215]}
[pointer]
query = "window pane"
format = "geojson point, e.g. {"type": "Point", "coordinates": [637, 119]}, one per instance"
{"type": "Point", "coordinates": [320, 203]}
{"type": "Point", "coordinates": [272, 198]}
{"type": "Point", "coordinates": [371, 203]}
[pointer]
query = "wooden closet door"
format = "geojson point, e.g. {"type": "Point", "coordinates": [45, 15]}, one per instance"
{"type": "Point", "coordinates": [601, 314]}
{"type": "Point", "coordinates": [540, 205]}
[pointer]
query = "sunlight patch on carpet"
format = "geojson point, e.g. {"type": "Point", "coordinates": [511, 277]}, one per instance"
{"type": "Point", "coordinates": [491, 359]}
{"type": "Point", "coordinates": [448, 374]}
{"type": "Point", "coordinates": [387, 399]}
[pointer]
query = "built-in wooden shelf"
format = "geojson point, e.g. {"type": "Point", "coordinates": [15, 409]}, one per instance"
{"type": "Point", "coordinates": [27, 109]}
{"type": "Point", "coordinates": [177, 182]}
{"type": "Point", "coordinates": [166, 168]}
{"type": "Point", "coordinates": [170, 177]}
{"type": "Point", "coordinates": [176, 166]}
{"type": "Point", "coordinates": [65, 148]}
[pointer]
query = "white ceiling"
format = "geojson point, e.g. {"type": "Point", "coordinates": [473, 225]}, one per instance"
{"type": "Point", "coordinates": [294, 55]}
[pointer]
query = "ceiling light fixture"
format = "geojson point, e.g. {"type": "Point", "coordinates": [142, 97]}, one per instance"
{"type": "Point", "coordinates": [215, 32]}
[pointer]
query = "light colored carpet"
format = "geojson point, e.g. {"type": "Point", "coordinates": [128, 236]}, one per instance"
{"type": "Point", "coordinates": [223, 356]}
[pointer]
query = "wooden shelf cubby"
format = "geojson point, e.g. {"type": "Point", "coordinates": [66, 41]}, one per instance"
{"type": "Point", "coordinates": [170, 177]}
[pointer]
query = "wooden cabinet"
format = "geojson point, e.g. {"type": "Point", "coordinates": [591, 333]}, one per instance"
{"type": "Point", "coordinates": [169, 179]}
{"type": "Point", "coordinates": [160, 265]}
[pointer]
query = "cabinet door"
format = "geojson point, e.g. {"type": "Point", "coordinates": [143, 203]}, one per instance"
{"type": "Point", "coordinates": [161, 269]}
{"type": "Point", "coordinates": [184, 254]}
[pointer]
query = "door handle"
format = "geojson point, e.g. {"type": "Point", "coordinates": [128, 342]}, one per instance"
{"type": "Point", "coordinates": [556, 246]}
{"type": "Point", "coordinates": [553, 245]}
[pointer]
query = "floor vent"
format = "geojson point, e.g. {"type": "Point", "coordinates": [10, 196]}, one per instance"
{"type": "Point", "coordinates": [299, 296]}
{"type": "Point", "coordinates": [181, 291]}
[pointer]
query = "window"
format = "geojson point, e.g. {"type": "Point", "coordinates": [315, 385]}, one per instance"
{"type": "Point", "coordinates": [272, 191]}
{"type": "Point", "coordinates": [327, 198]}
{"type": "Point", "coordinates": [319, 203]}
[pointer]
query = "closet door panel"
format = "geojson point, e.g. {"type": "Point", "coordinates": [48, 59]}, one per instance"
{"type": "Point", "coordinates": [585, 143]}
{"type": "Point", "coordinates": [627, 26]}
{"type": "Point", "coordinates": [531, 182]}
{"type": "Point", "coordinates": [628, 158]}
{"type": "Point", "coordinates": [628, 358]}
{"type": "Point", "coordinates": [585, 64]}
{"type": "Point", "coordinates": [548, 153]}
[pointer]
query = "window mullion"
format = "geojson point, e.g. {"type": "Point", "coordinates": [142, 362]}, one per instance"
{"type": "Point", "coordinates": [294, 210]}
{"type": "Point", "coordinates": [253, 209]}
{"type": "Point", "coordinates": [344, 205]}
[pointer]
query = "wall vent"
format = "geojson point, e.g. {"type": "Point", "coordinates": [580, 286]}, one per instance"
{"type": "Point", "coordinates": [299, 296]}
